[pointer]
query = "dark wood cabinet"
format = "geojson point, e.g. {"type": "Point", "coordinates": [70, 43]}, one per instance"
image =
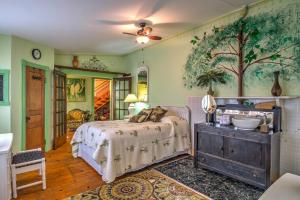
{"type": "Point", "coordinates": [248, 156]}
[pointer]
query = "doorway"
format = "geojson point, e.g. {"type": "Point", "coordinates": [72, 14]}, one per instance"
{"type": "Point", "coordinates": [35, 108]}
{"type": "Point", "coordinates": [102, 99]}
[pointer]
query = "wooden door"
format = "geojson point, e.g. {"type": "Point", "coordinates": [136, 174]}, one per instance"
{"type": "Point", "coordinates": [121, 88]}
{"type": "Point", "coordinates": [210, 143]}
{"type": "Point", "coordinates": [60, 109]}
{"type": "Point", "coordinates": [35, 108]}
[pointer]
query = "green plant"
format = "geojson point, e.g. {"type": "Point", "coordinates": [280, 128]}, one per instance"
{"type": "Point", "coordinates": [211, 76]}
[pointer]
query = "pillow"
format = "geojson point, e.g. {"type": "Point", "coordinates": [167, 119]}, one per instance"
{"type": "Point", "coordinates": [141, 116]}
{"type": "Point", "coordinates": [146, 112]}
{"type": "Point", "coordinates": [157, 114]}
{"type": "Point", "coordinates": [137, 118]}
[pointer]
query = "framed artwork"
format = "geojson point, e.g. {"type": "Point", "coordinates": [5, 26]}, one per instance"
{"type": "Point", "coordinates": [4, 87]}
{"type": "Point", "coordinates": [76, 90]}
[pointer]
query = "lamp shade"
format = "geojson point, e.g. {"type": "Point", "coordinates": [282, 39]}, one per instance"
{"type": "Point", "coordinates": [142, 39]}
{"type": "Point", "coordinates": [131, 98]}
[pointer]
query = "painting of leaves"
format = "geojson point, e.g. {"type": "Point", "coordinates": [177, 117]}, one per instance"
{"type": "Point", "coordinates": [76, 90]}
{"type": "Point", "coordinates": [255, 46]}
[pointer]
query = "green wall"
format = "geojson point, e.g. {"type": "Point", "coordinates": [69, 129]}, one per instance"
{"type": "Point", "coordinates": [5, 63]}
{"type": "Point", "coordinates": [166, 62]}
{"type": "Point", "coordinates": [21, 51]}
{"type": "Point", "coordinates": [114, 63]}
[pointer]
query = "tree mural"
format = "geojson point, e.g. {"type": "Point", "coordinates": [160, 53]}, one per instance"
{"type": "Point", "coordinates": [263, 43]}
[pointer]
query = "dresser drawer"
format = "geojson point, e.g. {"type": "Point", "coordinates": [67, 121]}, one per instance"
{"type": "Point", "coordinates": [251, 175]}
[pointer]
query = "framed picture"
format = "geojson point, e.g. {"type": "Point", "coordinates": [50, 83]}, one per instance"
{"type": "Point", "coordinates": [4, 87]}
{"type": "Point", "coordinates": [76, 90]}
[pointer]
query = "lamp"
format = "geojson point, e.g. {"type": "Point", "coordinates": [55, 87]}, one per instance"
{"type": "Point", "coordinates": [131, 98]}
{"type": "Point", "coordinates": [142, 39]}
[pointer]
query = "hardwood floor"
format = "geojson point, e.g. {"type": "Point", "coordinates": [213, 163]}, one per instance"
{"type": "Point", "coordinates": [65, 176]}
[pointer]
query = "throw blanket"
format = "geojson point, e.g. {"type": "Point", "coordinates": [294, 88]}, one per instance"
{"type": "Point", "coordinates": [122, 146]}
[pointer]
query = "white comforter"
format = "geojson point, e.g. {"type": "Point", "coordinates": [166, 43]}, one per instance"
{"type": "Point", "coordinates": [121, 146]}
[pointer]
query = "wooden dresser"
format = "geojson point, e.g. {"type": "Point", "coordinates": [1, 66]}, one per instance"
{"type": "Point", "coordinates": [249, 156]}
{"type": "Point", "coordinates": [5, 160]}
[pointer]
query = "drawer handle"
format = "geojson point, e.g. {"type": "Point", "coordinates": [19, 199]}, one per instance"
{"type": "Point", "coordinates": [254, 175]}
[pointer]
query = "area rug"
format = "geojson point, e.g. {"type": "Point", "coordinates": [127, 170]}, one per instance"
{"type": "Point", "coordinates": [145, 185]}
{"type": "Point", "coordinates": [211, 184]}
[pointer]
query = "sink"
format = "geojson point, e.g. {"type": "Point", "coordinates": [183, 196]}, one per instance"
{"type": "Point", "coordinates": [246, 123]}
{"type": "Point", "coordinates": [5, 142]}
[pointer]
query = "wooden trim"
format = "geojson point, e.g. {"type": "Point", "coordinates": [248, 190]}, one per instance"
{"type": "Point", "coordinates": [91, 70]}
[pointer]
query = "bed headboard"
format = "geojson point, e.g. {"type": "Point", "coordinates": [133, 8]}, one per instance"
{"type": "Point", "coordinates": [180, 111]}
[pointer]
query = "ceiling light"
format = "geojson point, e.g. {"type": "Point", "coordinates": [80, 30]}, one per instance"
{"type": "Point", "coordinates": [142, 39]}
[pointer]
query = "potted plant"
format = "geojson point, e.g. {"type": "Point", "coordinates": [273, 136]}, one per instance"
{"type": "Point", "coordinates": [208, 77]}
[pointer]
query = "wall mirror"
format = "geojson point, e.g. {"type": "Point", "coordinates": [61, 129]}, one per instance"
{"type": "Point", "coordinates": [143, 84]}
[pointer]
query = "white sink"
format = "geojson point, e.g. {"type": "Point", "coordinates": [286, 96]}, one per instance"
{"type": "Point", "coordinates": [5, 142]}
{"type": "Point", "coordinates": [246, 123]}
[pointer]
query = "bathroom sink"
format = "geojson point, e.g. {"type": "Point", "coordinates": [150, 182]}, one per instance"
{"type": "Point", "coordinates": [246, 123]}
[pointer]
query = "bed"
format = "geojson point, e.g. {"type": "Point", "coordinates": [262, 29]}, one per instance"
{"type": "Point", "coordinates": [114, 148]}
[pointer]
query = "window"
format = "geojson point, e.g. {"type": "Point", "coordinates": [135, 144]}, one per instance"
{"type": "Point", "coordinates": [4, 87]}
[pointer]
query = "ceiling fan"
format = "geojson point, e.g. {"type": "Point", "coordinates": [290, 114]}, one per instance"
{"type": "Point", "coordinates": [143, 35]}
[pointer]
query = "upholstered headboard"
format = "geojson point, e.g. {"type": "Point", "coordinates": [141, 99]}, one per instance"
{"type": "Point", "coordinates": [180, 111]}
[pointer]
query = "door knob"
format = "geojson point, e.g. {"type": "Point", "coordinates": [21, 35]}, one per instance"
{"type": "Point", "coordinates": [27, 118]}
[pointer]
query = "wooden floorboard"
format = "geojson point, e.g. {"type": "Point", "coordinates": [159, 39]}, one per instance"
{"type": "Point", "coordinates": [65, 175]}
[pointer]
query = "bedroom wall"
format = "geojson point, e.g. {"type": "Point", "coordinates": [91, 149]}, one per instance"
{"type": "Point", "coordinates": [114, 63]}
{"type": "Point", "coordinates": [21, 50]}
{"type": "Point", "coordinates": [166, 62]}
{"type": "Point", "coordinates": [5, 63]}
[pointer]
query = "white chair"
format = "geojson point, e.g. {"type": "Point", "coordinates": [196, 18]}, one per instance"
{"type": "Point", "coordinates": [26, 161]}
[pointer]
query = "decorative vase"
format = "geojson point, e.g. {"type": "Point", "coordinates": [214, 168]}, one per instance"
{"type": "Point", "coordinates": [276, 89]}
{"type": "Point", "coordinates": [75, 62]}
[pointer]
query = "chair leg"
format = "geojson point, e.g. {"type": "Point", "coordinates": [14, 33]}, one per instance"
{"type": "Point", "coordinates": [14, 181]}
{"type": "Point", "coordinates": [44, 174]}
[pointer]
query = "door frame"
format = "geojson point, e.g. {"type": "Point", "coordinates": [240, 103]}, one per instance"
{"type": "Point", "coordinates": [93, 96]}
{"type": "Point", "coordinates": [47, 107]}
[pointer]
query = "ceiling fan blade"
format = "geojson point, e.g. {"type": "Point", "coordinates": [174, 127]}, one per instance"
{"type": "Point", "coordinates": [129, 34]}
{"type": "Point", "coordinates": [149, 8]}
{"type": "Point", "coordinates": [111, 22]}
{"type": "Point", "coordinates": [153, 37]}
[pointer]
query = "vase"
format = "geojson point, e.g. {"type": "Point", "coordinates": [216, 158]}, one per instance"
{"type": "Point", "coordinates": [75, 62]}
{"type": "Point", "coordinates": [276, 89]}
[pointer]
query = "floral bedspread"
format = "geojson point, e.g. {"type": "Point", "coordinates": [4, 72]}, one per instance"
{"type": "Point", "coordinates": [121, 146]}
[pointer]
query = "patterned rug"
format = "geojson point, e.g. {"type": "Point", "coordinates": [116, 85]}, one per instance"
{"type": "Point", "coordinates": [145, 185]}
{"type": "Point", "coordinates": [214, 185]}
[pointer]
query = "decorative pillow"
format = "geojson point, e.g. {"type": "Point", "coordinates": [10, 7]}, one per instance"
{"type": "Point", "coordinates": [142, 116]}
{"type": "Point", "coordinates": [137, 118]}
{"type": "Point", "coordinates": [146, 112]}
{"type": "Point", "coordinates": [157, 114]}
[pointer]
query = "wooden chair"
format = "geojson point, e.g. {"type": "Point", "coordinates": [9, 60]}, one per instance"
{"type": "Point", "coordinates": [26, 161]}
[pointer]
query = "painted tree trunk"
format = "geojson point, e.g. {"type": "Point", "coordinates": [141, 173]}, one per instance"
{"type": "Point", "coordinates": [241, 62]}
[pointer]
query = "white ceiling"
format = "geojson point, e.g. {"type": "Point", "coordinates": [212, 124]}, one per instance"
{"type": "Point", "coordinates": [75, 26]}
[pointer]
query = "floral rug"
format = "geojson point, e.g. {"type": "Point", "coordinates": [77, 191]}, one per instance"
{"type": "Point", "coordinates": [145, 185]}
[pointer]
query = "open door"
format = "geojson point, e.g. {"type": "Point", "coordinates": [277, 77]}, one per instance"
{"type": "Point", "coordinates": [60, 109]}
{"type": "Point", "coordinates": [121, 88]}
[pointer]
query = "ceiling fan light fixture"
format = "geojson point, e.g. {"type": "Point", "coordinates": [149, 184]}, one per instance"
{"type": "Point", "coordinates": [142, 39]}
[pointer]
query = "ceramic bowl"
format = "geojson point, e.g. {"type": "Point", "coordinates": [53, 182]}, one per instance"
{"type": "Point", "coordinates": [246, 123]}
